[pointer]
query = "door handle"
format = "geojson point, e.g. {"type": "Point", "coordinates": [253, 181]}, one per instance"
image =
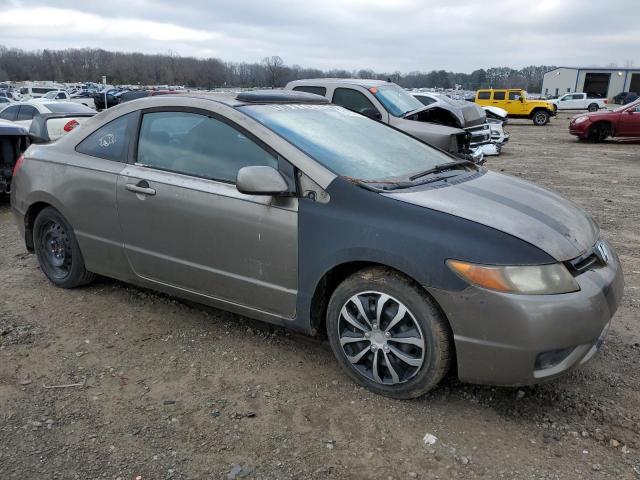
{"type": "Point", "coordinates": [141, 187]}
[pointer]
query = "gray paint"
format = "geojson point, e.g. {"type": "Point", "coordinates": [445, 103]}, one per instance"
{"type": "Point", "coordinates": [260, 180]}
{"type": "Point", "coordinates": [266, 257]}
{"type": "Point", "coordinates": [498, 336]}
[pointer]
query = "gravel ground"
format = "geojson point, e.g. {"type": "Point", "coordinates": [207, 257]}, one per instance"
{"type": "Point", "coordinates": [169, 390]}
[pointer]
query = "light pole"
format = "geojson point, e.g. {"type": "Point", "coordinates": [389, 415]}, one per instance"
{"type": "Point", "coordinates": [104, 88]}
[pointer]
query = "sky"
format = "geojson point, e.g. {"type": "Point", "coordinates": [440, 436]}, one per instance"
{"type": "Point", "coordinates": [384, 35]}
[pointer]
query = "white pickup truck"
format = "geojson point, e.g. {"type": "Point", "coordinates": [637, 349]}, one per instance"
{"type": "Point", "coordinates": [579, 101]}
{"type": "Point", "coordinates": [63, 96]}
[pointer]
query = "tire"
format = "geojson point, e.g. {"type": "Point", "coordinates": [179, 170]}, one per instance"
{"type": "Point", "coordinates": [372, 354]}
{"type": "Point", "coordinates": [593, 107]}
{"type": "Point", "coordinates": [540, 117]}
{"type": "Point", "coordinates": [599, 132]}
{"type": "Point", "coordinates": [57, 250]}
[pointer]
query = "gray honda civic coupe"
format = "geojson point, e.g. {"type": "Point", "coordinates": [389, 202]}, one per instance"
{"type": "Point", "coordinates": [282, 207]}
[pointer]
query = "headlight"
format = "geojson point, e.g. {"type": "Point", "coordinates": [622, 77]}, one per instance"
{"type": "Point", "coordinates": [581, 119]}
{"type": "Point", "coordinates": [529, 280]}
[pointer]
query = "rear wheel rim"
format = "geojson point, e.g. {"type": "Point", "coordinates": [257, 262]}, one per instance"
{"type": "Point", "coordinates": [381, 338]}
{"type": "Point", "coordinates": [55, 249]}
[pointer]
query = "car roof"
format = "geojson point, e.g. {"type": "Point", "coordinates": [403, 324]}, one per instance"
{"type": "Point", "coordinates": [251, 97]}
{"type": "Point", "coordinates": [362, 82]}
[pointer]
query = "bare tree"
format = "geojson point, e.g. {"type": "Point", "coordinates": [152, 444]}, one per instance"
{"type": "Point", "coordinates": [81, 65]}
{"type": "Point", "coordinates": [275, 69]}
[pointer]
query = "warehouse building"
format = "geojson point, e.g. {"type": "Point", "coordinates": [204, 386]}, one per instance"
{"type": "Point", "coordinates": [600, 82]}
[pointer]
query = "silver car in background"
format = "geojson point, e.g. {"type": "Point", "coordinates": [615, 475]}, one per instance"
{"type": "Point", "coordinates": [392, 105]}
{"type": "Point", "coordinates": [285, 208]}
{"type": "Point", "coordinates": [486, 133]}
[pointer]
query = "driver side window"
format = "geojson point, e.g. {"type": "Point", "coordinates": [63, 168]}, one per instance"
{"type": "Point", "coordinates": [353, 100]}
{"type": "Point", "coordinates": [198, 145]}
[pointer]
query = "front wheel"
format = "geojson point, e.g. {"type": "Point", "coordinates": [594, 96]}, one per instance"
{"type": "Point", "coordinates": [387, 334]}
{"type": "Point", "coordinates": [540, 118]}
{"type": "Point", "coordinates": [599, 132]}
{"type": "Point", "coordinates": [57, 250]}
{"type": "Point", "coordinates": [593, 107]}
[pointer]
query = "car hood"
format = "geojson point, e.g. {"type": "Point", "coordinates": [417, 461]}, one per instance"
{"type": "Point", "coordinates": [473, 114]}
{"type": "Point", "coordinates": [517, 207]}
{"type": "Point", "coordinates": [592, 115]}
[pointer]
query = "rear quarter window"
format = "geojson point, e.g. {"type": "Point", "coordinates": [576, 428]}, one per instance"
{"type": "Point", "coordinates": [27, 112]}
{"type": "Point", "coordinates": [484, 95]}
{"type": "Point", "coordinates": [111, 141]}
{"type": "Point", "coordinates": [311, 89]}
{"type": "Point", "coordinates": [10, 113]}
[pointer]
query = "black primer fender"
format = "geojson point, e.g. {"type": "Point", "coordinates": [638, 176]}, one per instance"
{"type": "Point", "coordinates": [361, 225]}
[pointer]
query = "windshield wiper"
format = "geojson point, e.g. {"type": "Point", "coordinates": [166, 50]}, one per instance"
{"type": "Point", "coordinates": [442, 167]}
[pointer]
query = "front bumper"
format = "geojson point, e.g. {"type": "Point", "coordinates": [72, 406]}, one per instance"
{"type": "Point", "coordinates": [502, 339]}
{"type": "Point", "coordinates": [579, 129]}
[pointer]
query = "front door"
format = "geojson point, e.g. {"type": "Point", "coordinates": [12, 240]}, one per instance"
{"type": "Point", "coordinates": [629, 123]}
{"type": "Point", "coordinates": [514, 103]}
{"type": "Point", "coordinates": [185, 224]}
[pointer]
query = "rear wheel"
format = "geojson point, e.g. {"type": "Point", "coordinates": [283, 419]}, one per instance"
{"type": "Point", "coordinates": [57, 250]}
{"type": "Point", "coordinates": [387, 334]}
{"type": "Point", "coordinates": [540, 117]}
{"type": "Point", "coordinates": [593, 107]}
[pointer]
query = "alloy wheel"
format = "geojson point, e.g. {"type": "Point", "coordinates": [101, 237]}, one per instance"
{"type": "Point", "coordinates": [541, 118]}
{"type": "Point", "coordinates": [381, 338]}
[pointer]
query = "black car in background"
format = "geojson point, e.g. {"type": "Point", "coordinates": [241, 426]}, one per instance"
{"type": "Point", "coordinates": [112, 98]}
{"type": "Point", "coordinates": [625, 97]}
{"type": "Point", "coordinates": [14, 139]}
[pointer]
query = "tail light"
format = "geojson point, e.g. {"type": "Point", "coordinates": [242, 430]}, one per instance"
{"type": "Point", "coordinates": [16, 167]}
{"type": "Point", "coordinates": [606, 101]}
{"type": "Point", "coordinates": [71, 124]}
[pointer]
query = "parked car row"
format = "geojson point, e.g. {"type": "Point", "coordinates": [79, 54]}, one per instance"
{"type": "Point", "coordinates": [306, 214]}
{"type": "Point", "coordinates": [116, 96]}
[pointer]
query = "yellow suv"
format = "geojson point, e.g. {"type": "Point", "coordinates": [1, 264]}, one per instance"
{"type": "Point", "coordinates": [517, 105]}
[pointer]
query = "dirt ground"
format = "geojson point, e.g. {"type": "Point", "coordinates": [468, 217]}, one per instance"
{"type": "Point", "coordinates": [171, 390]}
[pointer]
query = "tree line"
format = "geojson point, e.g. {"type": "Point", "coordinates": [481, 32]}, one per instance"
{"type": "Point", "coordinates": [87, 64]}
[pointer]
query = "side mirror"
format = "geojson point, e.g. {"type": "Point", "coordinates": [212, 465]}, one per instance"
{"type": "Point", "coordinates": [260, 180]}
{"type": "Point", "coordinates": [372, 113]}
{"type": "Point", "coordinates": [521, 99]}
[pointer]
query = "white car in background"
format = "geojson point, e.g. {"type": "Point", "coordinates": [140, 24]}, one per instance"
{"type": "Point", "coordinates": [579, 101]}
{"type": "Point", "coordinates": [64, 96]}
{"type": "Point", "coordinates": [61, 117]}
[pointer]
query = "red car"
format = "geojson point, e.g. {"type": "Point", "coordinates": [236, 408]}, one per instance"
{"type": "Point", "coordinates": [624, 121]}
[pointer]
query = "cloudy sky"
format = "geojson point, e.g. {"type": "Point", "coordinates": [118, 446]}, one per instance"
{"type": "Point", "coordinates": [386, 35]}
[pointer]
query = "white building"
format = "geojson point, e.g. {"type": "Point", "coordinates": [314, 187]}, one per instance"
{"type": "Point", "coordinates": [603, 82]}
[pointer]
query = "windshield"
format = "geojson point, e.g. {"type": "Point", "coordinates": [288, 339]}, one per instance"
{"type": "Point", "coordinates": [396, 100]}
{"type": "Point", "coordinates": [68, 107]}
{"type": "Point", "coordinates": [51, 95]}
{"type": "Point", "coordinates": [347, 143]}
